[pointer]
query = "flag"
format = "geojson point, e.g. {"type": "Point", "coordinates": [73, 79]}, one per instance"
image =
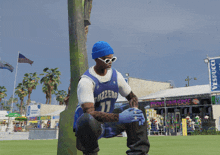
{"type": "Point", "coordinates": [5, 65]}
{"type": "Point", "coordinates": [23, 59]}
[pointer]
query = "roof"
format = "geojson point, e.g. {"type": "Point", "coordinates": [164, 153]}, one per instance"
{"type": "Point", "coordinates": [182, 91]}
{"type": "Point", "coordinates": [55, 113]}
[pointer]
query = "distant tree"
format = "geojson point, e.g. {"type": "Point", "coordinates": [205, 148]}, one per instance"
{"type": "Point", "coordinates": [24, 109]}
{"type": "Point", "coordinates": [22, 92]}
{"type": "Point", "coordinates": [30, 80]}
{"type": "Point", "coordinates": [66, 100]}
{"type": "Point", "coordinates": [60, 96]}
{"type": "Point", "coordinates": [11, 99]}
{"type": "Point", "coordinates": [18, 106]}
{"type": "Point", "coordinates": [3, 91]}
{"type": "Point", "coordinates": [50, 80]}
{"type": "Point", "coordinates": [7, 108]}
{"type": "Point", "coordinates": [45, 91]}
{"type": "Point", "coordinates": [2, 105]}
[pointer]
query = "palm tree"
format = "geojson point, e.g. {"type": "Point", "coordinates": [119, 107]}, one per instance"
{"type": "Point", "coordinates": [30, 80]}
{"type": "Point", "coordinates": [66, 99]}
{"type": "Point", "coordinates": [3, 91]}
{"type": "Point", "coordinates": [24, 109]}
{"type": "Point", "coordinates": [2, 105]}
{"type": "Point", "coordinates": [12, 100]}
{"type": "Point", "coordinates": [22, 92]}
{"type": "Point", "coordinates": [51, 80]}
{"type": "Point", "coordinates": [18, 106]}
{"type": "Point", "coordinates": [45, 91]}
{"type": "Point", "coordinates": [60, 96]}
{"type": "Point", "coordinates": [7, 108]}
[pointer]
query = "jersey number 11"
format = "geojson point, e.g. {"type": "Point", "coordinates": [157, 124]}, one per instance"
{"type": "Point", "coordinates": [104, 104]}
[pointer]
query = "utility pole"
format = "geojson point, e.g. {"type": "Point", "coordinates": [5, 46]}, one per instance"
{"type": "Point", "coordinates": [188, 79]}
{"type": "Point", "coordinates": [127, 75]}
{"type": "Point", "coordinates": [78, 17]}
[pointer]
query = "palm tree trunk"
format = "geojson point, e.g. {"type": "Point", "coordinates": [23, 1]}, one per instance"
{"type": "Point", "coordinates": [60, 103]}
{"type": "Point", "coordinates": [29, 98]}
{"type": "Point", "coordinates": [0, 99]}
{"type": "Point", "coordinates": [46, 99]}
{"type": "Point", "coordinates": [50, 98]}
{"type": "Point", "coordinates": [50, 95]}
{"type": "Point", "coordinates": [21, 106]}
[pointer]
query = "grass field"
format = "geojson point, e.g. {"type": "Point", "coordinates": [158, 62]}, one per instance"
{"type": "Point", "coordinates": [160, 145]}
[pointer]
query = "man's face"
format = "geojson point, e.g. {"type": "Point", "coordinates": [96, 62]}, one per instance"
{"type": "Point", "coordinates": [103, 64]}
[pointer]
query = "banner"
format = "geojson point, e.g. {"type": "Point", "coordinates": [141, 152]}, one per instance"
{"type": "Point", "coordinates": [23, 59]}
{"type": "Point", "coordinates": [214, 74]}
{"type": "Point", "coordinates": [56, 117]}
{"type": "Point", "coordinates": [180, 102]}
{"type": "Point", "coordinates": [184, 127]}
{"type": "Point", "coordinates": [32, 118]}
{"type": "Point", "coordinates": [33, 110]}
{"type": "Point", "coordinates": [5, 65]}
{"type": "Point", "coordinates": [45, 117]}
{"type": "Point", "coordinates": [216, 99]}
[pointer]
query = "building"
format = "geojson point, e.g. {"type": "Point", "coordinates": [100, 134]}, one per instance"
{"type": "Point", "coordinates": [178, 103]}
{"type": "Point", "coordinates": [40, 114]}
{"type": "Point", "coordinates": [142, 87]}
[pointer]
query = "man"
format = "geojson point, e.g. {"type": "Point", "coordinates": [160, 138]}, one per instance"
{"type": "Point", "coordinates": [95, 116]}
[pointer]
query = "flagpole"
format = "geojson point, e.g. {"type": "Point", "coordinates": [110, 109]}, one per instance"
{"type": "Point", "coordinates": [14, 83]}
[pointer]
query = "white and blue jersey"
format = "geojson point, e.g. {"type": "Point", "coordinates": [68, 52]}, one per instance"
{"type": "Point", "coordinates": [105, 95]}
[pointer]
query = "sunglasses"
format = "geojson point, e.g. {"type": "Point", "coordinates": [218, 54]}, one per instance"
{"type": "Point", "coordinates": [107, 60]}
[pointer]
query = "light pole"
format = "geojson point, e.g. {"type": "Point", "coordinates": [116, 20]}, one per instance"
{"type": "Point", "coordinates": [188, 79]}
{"type": "Point", "coordinates": [165, 115]}
{"type": "Point", "coordinates": [127, 75]}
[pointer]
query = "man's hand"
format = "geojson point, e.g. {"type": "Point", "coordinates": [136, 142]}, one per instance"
{"type": "Point", "coordinates": [131, 115]}
{"type": "Point", "coordinates": [133, 100]}
{"type": "Point", "coordinates": [142, 119]}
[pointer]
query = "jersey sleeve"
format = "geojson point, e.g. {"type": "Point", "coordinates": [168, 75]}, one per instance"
{"type": "Point", "coordinates": [85, 91]}
{"type": "Point", "coordinates": [124, 88]}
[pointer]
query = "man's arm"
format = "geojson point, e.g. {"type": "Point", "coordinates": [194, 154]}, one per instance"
{"type": "Point", "coordinates": [98, 115]}
{"type": "Point", "coordinates": [133, 100]}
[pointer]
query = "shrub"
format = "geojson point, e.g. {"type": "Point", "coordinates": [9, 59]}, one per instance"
{"type": "Point", "coordinates": [210, 131]}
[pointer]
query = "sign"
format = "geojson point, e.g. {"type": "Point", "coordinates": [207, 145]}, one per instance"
{"type": "Point", "coordinates": [180, 102]}
{"type": "Point", "coordinates": [216, 99]}
{"type": "Point", "coordinates": [33, 110]}
{"type": "Point", "coordinates": [45, 117]}
{"type": "Point", "coordinates": [32, 118]}
{"type": "Point", "coordinates": [214, 74]}
{"type": "Point", "coordinates": [56, 117]}
{"type": "Point", "coordinates": [33, 121]}
{"type": "Point", "coordinates": [184, 127]}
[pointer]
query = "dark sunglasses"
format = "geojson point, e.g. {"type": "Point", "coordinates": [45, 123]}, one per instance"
{"type": "Point", "coordinates": [107, 60]}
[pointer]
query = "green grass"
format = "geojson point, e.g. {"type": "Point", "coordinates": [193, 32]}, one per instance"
{"type": "Point", "coordinates": [160, 145]}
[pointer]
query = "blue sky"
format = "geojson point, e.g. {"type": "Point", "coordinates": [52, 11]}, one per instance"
{"type": "Point", "coordinates": [158, 40]}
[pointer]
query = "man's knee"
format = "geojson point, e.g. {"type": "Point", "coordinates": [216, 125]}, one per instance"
{"type": "Point", "coordinates": [87, 124]}
{"type": "Point", "coordinates": [89, 129]}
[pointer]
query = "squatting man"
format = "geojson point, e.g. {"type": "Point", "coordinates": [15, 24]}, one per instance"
{"type": "Point", "coordinates": [95, 116]}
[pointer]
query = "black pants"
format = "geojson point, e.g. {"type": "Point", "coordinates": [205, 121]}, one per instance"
{"type": "Point", "coordinates": [89, 129]}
